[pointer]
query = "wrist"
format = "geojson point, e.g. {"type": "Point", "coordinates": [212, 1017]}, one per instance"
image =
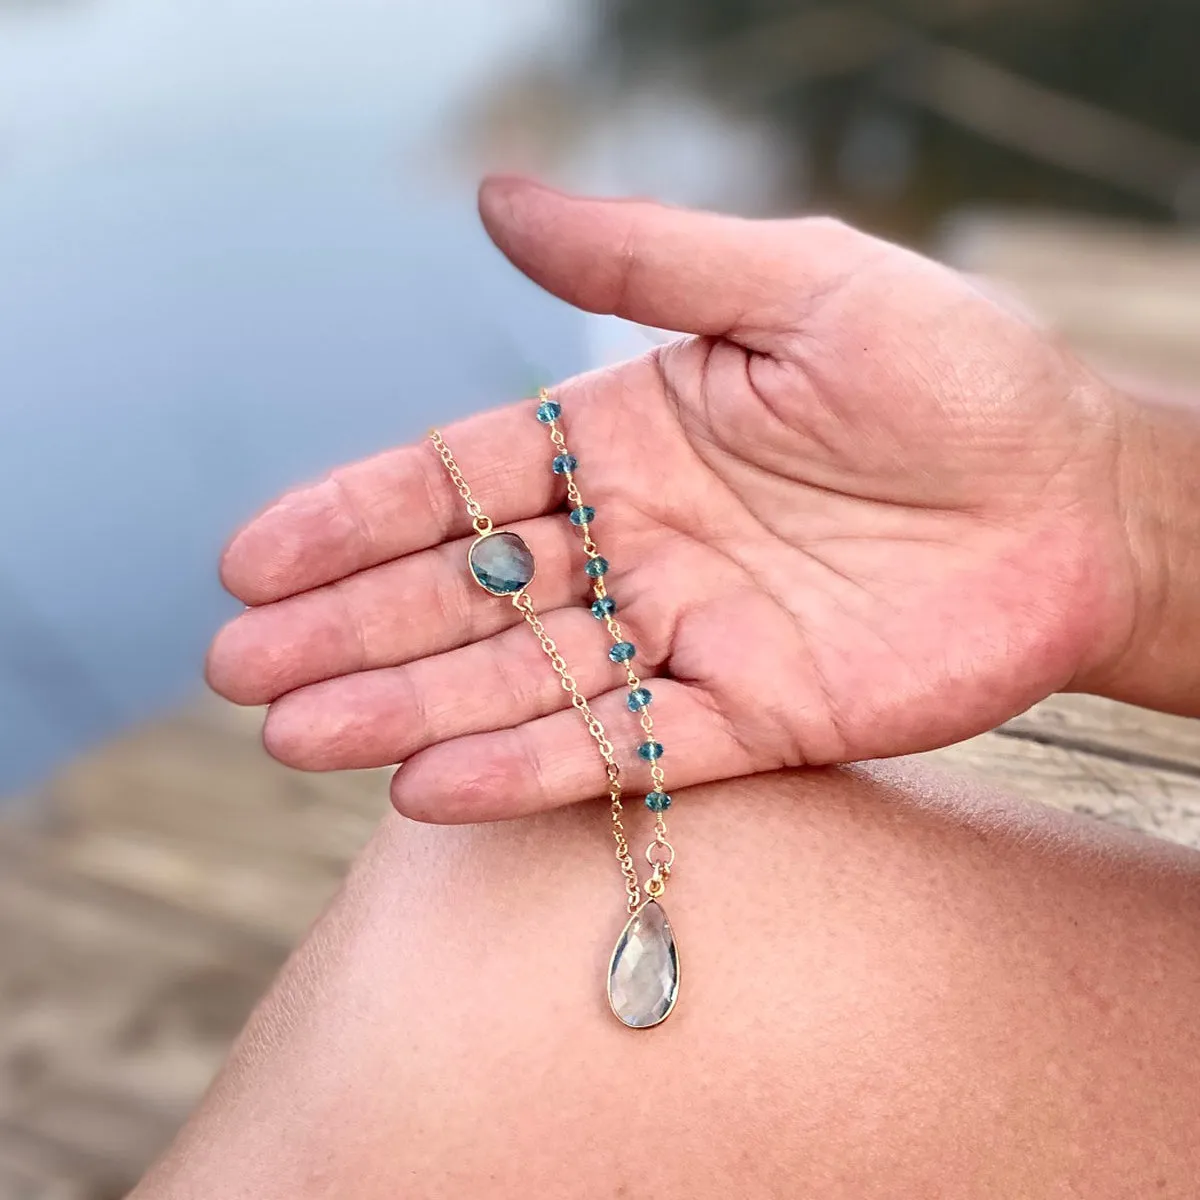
{"type": "Point", "coordinates": [1153, 659]}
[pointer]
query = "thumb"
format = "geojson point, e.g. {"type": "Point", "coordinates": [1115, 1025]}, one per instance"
{"type": "Point", "coordinates": [695, 272]}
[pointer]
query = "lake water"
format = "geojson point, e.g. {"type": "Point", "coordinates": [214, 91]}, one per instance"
{"type": "Point", "coordinates": [223, 268]}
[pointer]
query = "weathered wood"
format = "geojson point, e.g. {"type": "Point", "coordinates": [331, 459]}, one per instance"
{"type": "Point", "coordinates": [115, 1011]}
{"type": "Point", "coordinates": [193, 813]}
{"type": "Point", "coordinates": [34, 1169]}
{"type": "Point", "coordinates": [1133, 735]}
{"type": "Point", "coordinates": [1165, 803]}
{"type": "Point", "coordinates": [1125, 295]}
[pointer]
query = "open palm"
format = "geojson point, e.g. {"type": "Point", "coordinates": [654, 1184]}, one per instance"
{"type": "Point", "coordinates": [864, 511]}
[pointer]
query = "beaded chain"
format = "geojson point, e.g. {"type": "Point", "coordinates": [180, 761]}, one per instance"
{"type": "Point", "coordinates": [660, 854]}
{"type": "Point", "coordinates": [643, 975]}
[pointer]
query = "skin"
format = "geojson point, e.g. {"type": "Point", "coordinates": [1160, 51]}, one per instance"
{"type": "Point", "coordinates": [892, 987]}
{"type": "Point", "coordinates": [863, 511]}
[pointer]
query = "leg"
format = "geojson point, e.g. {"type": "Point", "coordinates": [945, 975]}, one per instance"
{"type": "Point", "coordinates": [892, 987]}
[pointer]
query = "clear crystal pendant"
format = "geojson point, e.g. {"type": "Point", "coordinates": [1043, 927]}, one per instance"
{"type": "Point", "coordinates": [643, 976]}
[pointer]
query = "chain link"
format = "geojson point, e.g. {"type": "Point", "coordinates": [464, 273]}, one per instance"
{"type": "Point", "coordinates": [660, 853]}
{"type": "Point", "coordinates": [523, 603]}
{"type": "Point", "coordinates": [479, 519]}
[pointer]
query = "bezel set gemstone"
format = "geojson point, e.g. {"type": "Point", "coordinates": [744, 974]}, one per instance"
{"type": "Point", "coordinates": [643, 975]}
{"type": "Point", "coordinates": [501, 563]}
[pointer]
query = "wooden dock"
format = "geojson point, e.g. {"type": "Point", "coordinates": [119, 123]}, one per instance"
{"type": "Point", "coordinates": [150, 892]}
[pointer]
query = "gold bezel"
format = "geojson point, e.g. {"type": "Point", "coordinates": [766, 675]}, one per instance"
{"type": "Point", "coordinates": [612, 959]}
{"type": "Point", "coordinates": [491, 533]}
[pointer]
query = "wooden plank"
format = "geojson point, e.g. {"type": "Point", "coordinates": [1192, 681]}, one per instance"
{"type": "Point", "coordinates": [32, 1168]}
{"type": "Point", "coordinates": [1123, 294]}
{"type": "Point", "coordinates": [275, 896]}
{"type": "Point", "coordinates": [192, 812]}
{"type": "Point", "coordinates": [219, 789]}
{"type": "Point", "coordinates": [1165, 803]}
{"type": "Point", "coordinates": [115, 1012]}
{"type": "Point", "coordinates": [1134, 735]}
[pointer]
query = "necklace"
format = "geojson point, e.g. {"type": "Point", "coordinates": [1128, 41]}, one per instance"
{"type": "Point", "coordinates": [643, 973]}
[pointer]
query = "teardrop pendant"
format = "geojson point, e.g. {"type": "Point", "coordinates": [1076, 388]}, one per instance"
{"type": "Point", "coordinates": [643, 976]}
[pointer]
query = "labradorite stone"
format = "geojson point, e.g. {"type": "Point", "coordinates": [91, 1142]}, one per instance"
{"type": "Point", "coordinates": [502, 563]}
{"type": "Point", "coordinates": [643, 979]}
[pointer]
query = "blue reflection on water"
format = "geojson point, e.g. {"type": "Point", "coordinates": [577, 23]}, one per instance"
{"type": "Point", "coordinates": [220, 273]}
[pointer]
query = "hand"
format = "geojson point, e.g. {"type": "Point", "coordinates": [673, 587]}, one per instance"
{"type": "Point", "coordinates": [864, 511]}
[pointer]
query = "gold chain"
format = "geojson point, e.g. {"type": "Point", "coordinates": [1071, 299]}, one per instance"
{"type": "Point", "coordinates": [523, 603]}
{"type": "Point", "coordinates": [660, 854]}
{"type": "Point", "coordinates": [479, 519]}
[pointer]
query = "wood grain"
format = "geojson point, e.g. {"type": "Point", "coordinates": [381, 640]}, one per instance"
{"type": "Point", "coordinates": [1165, 803]}
{"type": "Point", "coordinates": [1134, 735]}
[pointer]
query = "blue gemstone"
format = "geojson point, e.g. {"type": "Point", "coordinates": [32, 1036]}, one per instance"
{"type": "Point", "coordinates": [501, 563]}
{"type": "Point", "coordinates": [563, 463]}
{"type": "Point", "coordinates": [658, 801]}
{"type": "Point", "coordinates": [650, 751]}
{"type": "Point", "coordinates": [596, 567]}
{"type": "Point", "coordinates": [622, 652]}
{"type": "Point", "coordinates": [549, 410]}
{"type": "Point", "coordinates": [638, 699]}
{"type": "Point", "coordinates": [583, 516]}
{"type": "Point", "coordinates": [604, 607]}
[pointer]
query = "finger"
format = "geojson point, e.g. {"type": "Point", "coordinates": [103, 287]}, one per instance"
{"type": "Point", "coordinates": [692, 271]}
{"type": "Point", "coordinates": [377, 718]}
{"type": "Point", "coordinates": [393, 504]}
{"type": "Point", "coordinates": [553, 761]}
{"type": "Point", "coordinates": [420, 605]}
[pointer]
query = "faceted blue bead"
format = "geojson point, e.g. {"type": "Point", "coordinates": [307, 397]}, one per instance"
{"type": "Point", "coordinates": [604, 607]}
{"type": "Point", "coordinates": [596, 567]}
{"type": "Point", "coordinates": [650, 751]}
{"type": "Point", "coordinates": [622, 652]}
{"type": "Point", "coordinates": [563, 463]}
{"type": "Point", "coordinates": [501, 563]}
{"type": "Point", "coordinates": [549, 410]}
{"type": "Point", "coordinates": [658, 801]}
{"type": "Point", "coordinates": [638, 699]}
{"type": "Point", "coordinates": [583, 516]}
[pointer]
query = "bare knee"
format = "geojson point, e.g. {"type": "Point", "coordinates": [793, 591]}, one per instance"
{"type": "Point", "coordinates": [886, 984]}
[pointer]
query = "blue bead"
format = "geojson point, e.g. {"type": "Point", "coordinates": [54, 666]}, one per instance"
{"type": "Point", "coordinates": [563, 463]}
{"type": "Point", "coordinates": [583, 516]}
{"type": "Point", "coordinates": [596, 567]}
{"type": "Point", "coordinates": [638, 699]}
{"type": "Point", "coordinates": [604, 607]}
{"type": "Point", "coordinates": [549, 410]}
{"type": "Point", "coordinates": [650, 751]}
{"type": "Point", "coordinates": [622, 652]}
{"type": "Point", "coordinates": [658, 801]}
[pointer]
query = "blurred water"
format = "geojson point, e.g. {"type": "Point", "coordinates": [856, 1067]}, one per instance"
{"type": "Point", "coordinates": [221, 270]}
